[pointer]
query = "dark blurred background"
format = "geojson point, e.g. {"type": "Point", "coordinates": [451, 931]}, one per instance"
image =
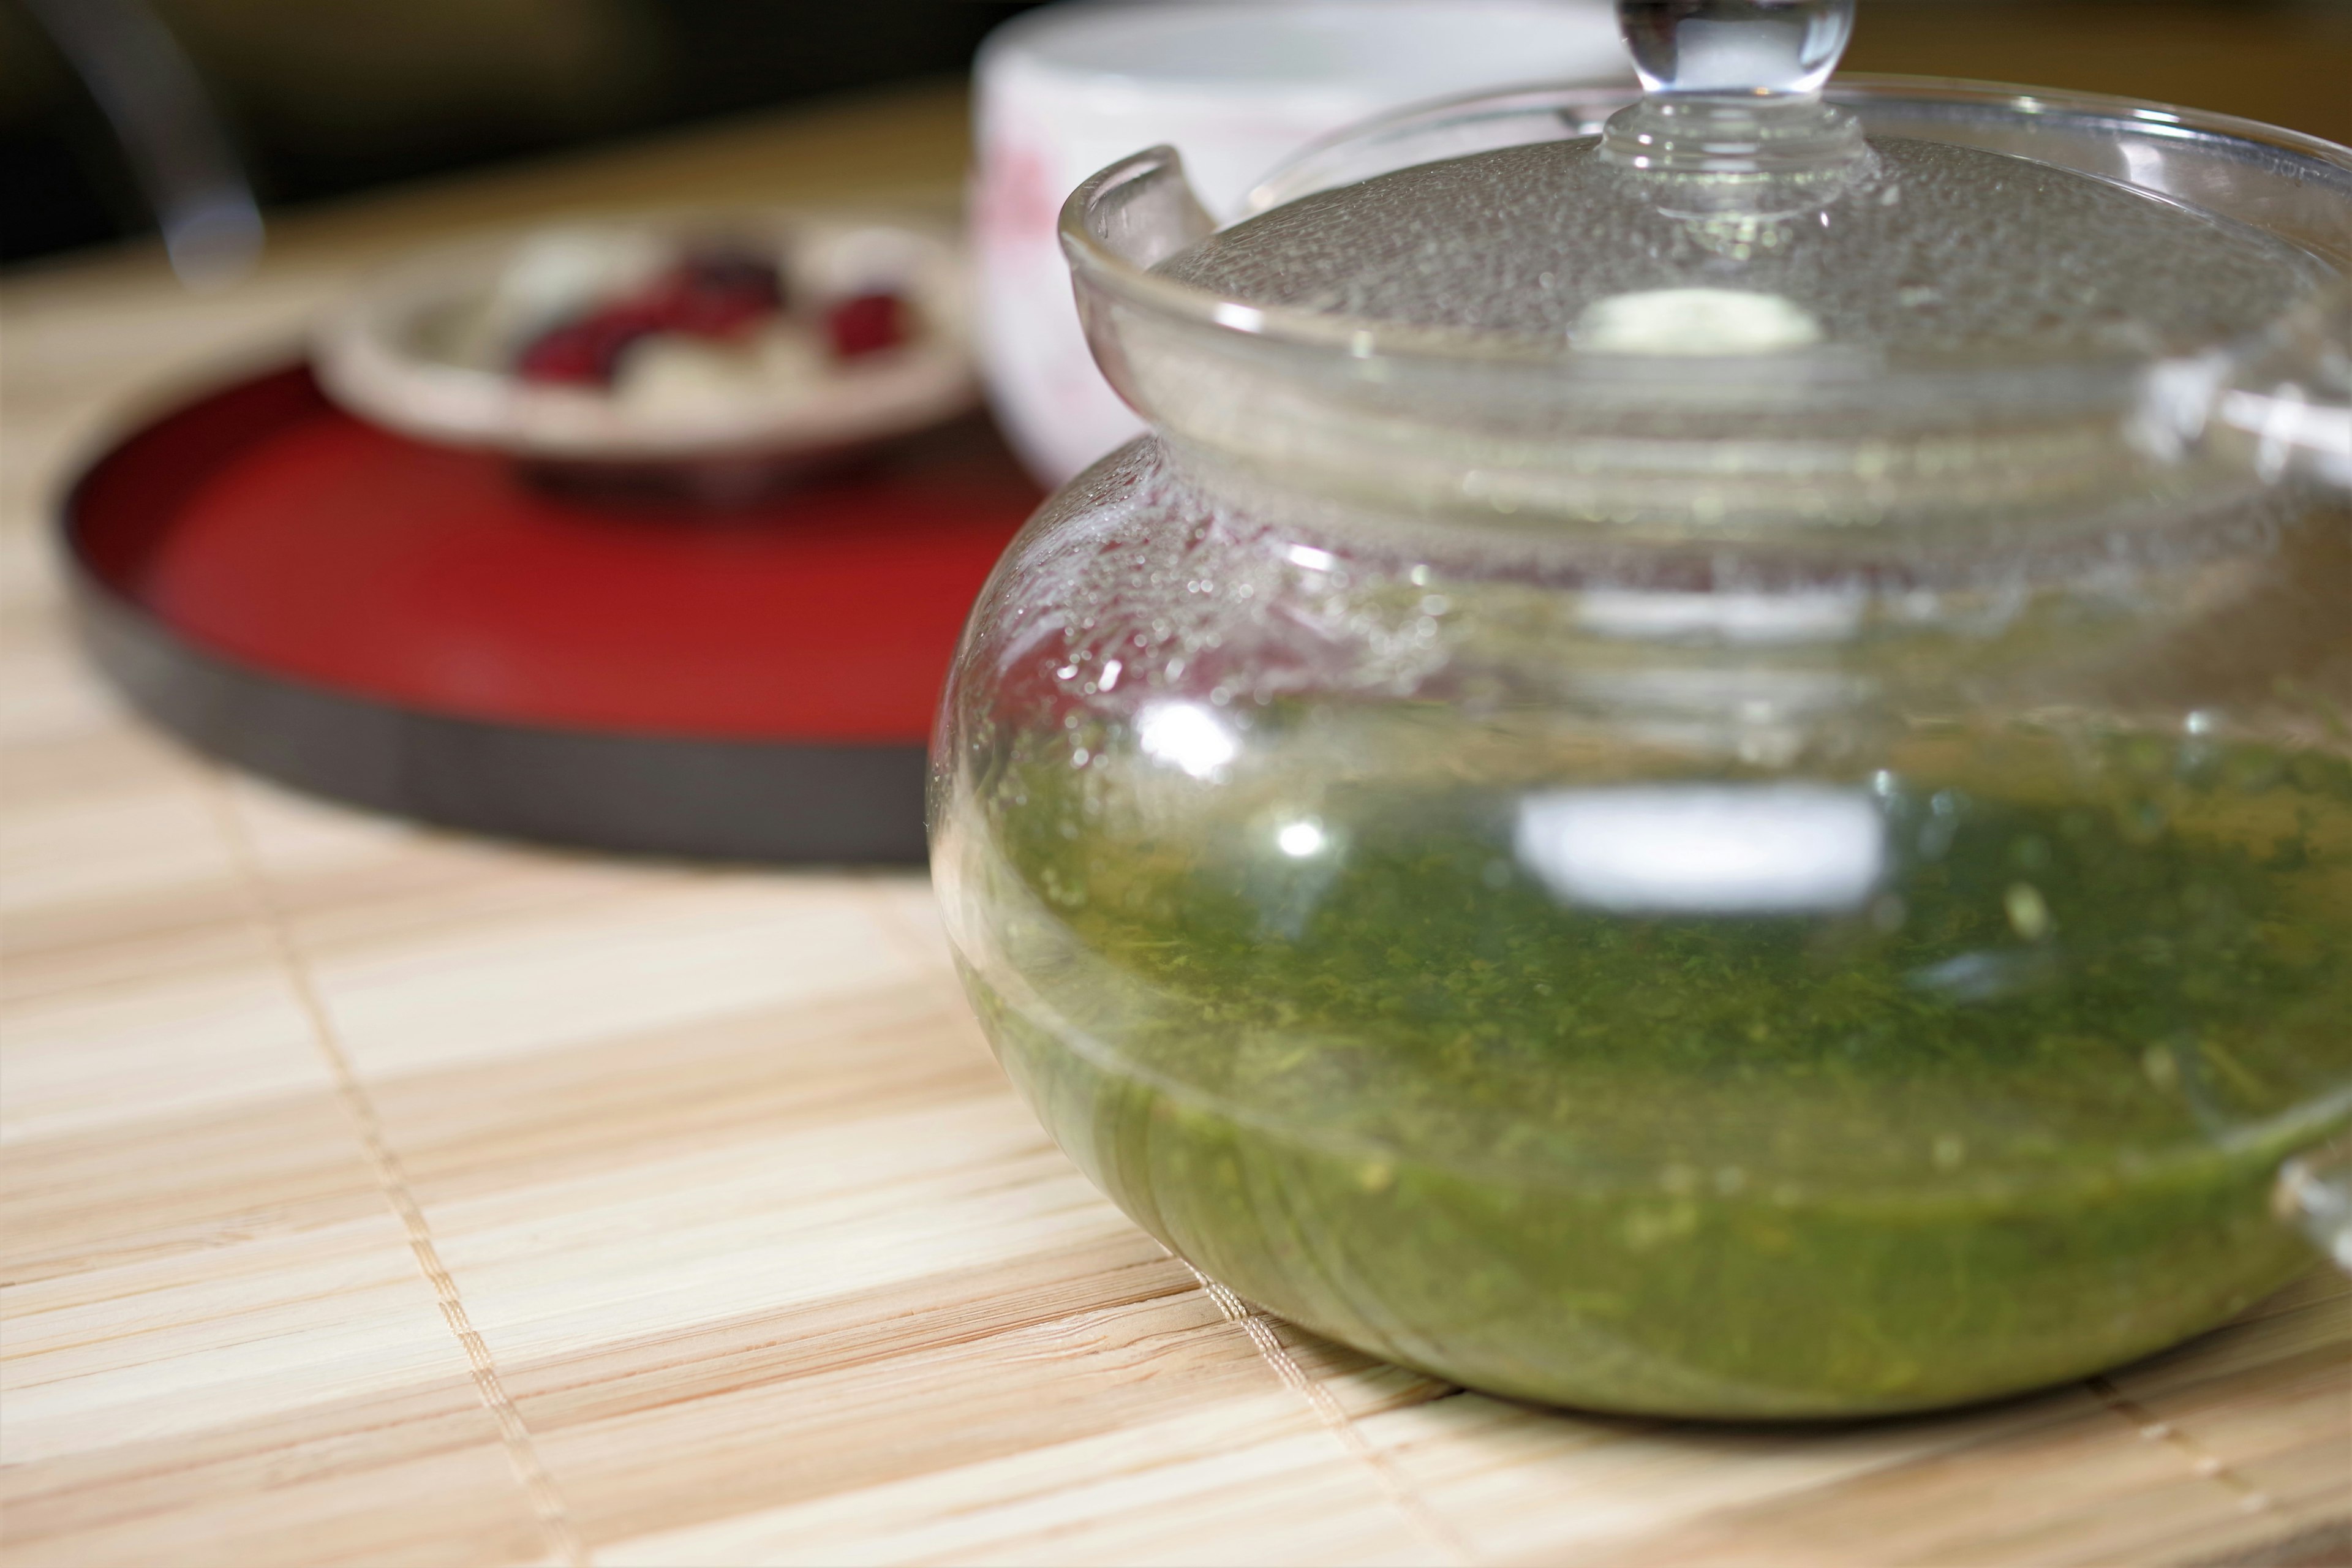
{"type": "Point", "coordinates": [325, 97]}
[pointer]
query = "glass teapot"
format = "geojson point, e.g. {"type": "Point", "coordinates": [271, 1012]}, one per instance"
{"type": "Point", "coordinates": [1705, 767]}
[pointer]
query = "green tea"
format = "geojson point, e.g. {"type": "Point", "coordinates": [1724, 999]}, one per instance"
{"type": "Point", "coordinates": [2012, 1115]}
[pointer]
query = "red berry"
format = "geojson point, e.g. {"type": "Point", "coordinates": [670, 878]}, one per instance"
{"type": "Point", "coordinates": [716, 295]}
{"type": "Point", "coordinates": [867, 323]}
{"type": "Point", "coordinates": [586, 351]}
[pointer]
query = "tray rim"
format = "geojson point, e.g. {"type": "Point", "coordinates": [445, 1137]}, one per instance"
{"type": "Point", "coordinates": [718, 798]}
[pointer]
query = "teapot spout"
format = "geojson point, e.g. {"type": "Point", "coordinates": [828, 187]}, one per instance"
{"type": "Point", "coordinates": [1127, 218]}
{"type": "Point", "coordinates": [1143, 209]}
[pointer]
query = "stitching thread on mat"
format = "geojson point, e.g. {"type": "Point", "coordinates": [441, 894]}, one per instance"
{"type": "Point", "coordinates": [1270, 1349]}
{"type": "Point", "coordinates": [523, 1453]}
{"type": "Point", "coordinates": [2251, 1499]}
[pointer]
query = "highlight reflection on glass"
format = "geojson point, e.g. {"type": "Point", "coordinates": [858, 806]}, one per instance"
{"type": "Point", "coordinates": [1185, 735]}
{"type": "Point", "coordinates": [1705, 849]}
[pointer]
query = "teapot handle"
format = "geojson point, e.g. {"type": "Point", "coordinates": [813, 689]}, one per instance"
{"type": "Point", "coordinates": [2314, 1191]}
{"type": "Point", "coordinates": [2285, 409]}
{"type": "Point", "coordinates": [2298, 424]}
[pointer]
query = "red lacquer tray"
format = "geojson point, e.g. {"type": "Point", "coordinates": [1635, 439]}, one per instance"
{"type": "Point", "coordinates": [427, 631]}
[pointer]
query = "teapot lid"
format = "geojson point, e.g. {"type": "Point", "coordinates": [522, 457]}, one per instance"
{"type": "Point", "coordinates": [1733, 212]}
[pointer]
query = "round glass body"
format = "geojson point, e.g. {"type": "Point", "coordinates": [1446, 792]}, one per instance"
{"type": "Point", "coordinates": [1620, 883]}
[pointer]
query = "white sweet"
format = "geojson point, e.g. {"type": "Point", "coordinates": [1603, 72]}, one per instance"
{"type": "Point", "coordinates": [671, 372]}
{"type": "Point", "coordinates": [565, 270]}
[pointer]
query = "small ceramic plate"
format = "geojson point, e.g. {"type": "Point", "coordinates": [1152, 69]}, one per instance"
{"type": "Point", "coordinates": [676, 337]}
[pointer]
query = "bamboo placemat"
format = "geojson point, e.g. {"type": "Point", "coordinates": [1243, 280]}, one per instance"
{"type": "Point", "coordinates": [378, 1196]}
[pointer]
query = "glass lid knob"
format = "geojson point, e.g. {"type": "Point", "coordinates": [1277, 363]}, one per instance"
{"type": "Point", "coordinates": [1735, 46]}
{"type": "Point", "coordinates": [1733, 88]}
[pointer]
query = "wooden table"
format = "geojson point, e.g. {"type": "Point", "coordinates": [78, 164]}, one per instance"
{"type": "Point", "coordinates": [381, 1196]}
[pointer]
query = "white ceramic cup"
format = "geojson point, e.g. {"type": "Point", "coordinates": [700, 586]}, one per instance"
{"type": "Point", "coordinates": [1235, 86]}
